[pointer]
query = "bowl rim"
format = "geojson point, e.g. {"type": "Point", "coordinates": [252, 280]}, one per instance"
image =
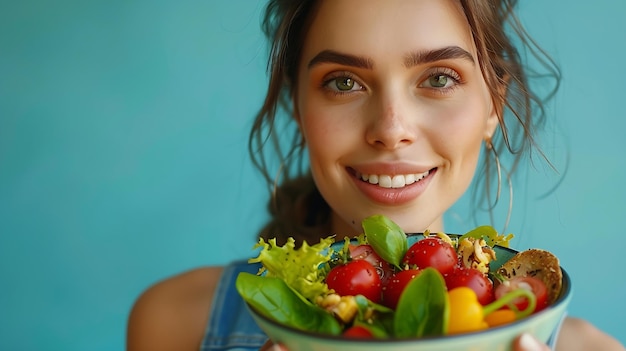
{"type": "Point", "coordinates": [564, 296]}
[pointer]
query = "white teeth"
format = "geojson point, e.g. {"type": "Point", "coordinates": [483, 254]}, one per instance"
{"type": "Point", "coordinates": [373, 179]}
{"type": "Point", "coordinates": [397, 181]}
{"type": "Point", "coordinates": [384, 181]}
{"type": "Point", "coordinates": [409, 179]}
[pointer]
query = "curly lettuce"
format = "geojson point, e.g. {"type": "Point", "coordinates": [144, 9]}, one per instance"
{"type": "Point", "coordinates": [302, 269]}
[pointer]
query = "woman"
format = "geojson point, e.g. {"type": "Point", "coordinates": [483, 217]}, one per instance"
{"type": "Point", "coordinates": [393, 101]}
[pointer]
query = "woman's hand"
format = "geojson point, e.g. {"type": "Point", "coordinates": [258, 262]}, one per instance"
{"type": "Point", "coordinates": [527, 342]}
{"type": "Point", "coordinates": [269, 346]}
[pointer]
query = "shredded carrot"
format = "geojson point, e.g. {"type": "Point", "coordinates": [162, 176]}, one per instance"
{"type": "Point", "coordinates": [500, 317]}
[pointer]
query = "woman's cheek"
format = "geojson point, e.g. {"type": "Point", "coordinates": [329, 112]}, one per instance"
{"type": "Point", "coordinates": [328, 127]}
{"type": "Point", "coordinates": [462, 123]}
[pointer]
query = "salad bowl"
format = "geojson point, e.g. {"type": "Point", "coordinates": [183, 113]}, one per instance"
{"type": "Point", "coordinates": [544, 325]}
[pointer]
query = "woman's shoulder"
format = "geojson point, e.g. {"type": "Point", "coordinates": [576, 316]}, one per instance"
{"type": "Point", "coordinates": [173, 313]}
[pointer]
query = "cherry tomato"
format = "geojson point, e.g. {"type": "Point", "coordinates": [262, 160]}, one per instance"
{"type": "Point", "coordinates": [366, 252]}
{"type": "Point", "coordinates": [532, 284]}
{"type": "Point", "coordinates": [357, 277]}
{"type": "Point", "coordinates": [358, 331]}
{"type": "Point", "coordinates": [432, 252]}
{"type": "Point", "coordinates": [473, 279]}
{"type": "Point", "coordinates": [395, 286]}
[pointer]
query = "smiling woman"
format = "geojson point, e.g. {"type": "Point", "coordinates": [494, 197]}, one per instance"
{"type": "Point", "coordinates": [417, 104]}
{"type": "Point", "coordinates": [392, 103]}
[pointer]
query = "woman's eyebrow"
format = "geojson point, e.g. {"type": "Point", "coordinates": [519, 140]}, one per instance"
{"type": "Point", "coordinates": [411, 59]}
{"type": "Point", "coordinates": [331, 56]}
{"type": "Point", "coordinates": [419, 57]}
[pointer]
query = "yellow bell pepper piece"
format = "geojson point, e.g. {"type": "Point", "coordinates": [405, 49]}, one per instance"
{"type": "Point", "coordinates": [466, 313]}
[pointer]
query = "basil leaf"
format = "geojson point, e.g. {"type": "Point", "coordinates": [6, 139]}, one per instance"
{"type": "Point", "coordinates": [423, 307]}
{"type": "Point", "coordinates": [273, 298]}
{"type": "Point", "coordinates": [386, 238]}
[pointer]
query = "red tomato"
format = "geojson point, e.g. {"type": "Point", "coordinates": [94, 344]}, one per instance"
{"type": "Point", "coordinates": [354, 278]}
{"type": "Point", "coordinates": [532, 284]}
{"type": "Point", "coordinates": [432, 252]}
{"type": "Point", "coordinates": [395, 286]}
{"type": "Point", "coordinates": [473, 279]}
{"type": "Point", "coordinates": [366, 252]}
{"type": "Point", "coordinates": [358, 331]}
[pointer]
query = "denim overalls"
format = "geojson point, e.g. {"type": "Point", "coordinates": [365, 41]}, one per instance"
{"type": "Point", "coordinates": [231, 326]}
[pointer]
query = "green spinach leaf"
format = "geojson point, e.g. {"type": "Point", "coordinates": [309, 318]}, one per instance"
{"type": "Point", "coordinates": [273, 298]}
{"type": "Point", "coordinates": [423, 308]}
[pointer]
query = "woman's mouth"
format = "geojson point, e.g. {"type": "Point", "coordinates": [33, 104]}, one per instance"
{"type": "Point", "coordinates": [392, 181]}
{"type": "Point", "coordinates": [393, 188]}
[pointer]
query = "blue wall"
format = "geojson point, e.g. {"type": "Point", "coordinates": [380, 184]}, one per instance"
{"type": "Point", "coordinates": [123, 159]}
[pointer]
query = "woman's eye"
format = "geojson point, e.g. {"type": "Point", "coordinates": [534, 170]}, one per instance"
{"type": "Point", "coordinates": [343, 84]}
{"type": "Point", "coordinates": [441, 80]}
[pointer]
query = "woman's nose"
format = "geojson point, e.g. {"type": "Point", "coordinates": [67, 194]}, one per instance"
{"type": "Point", "coordinates": [391, 127]}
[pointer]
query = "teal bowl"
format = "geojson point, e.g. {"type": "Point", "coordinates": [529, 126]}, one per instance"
{"type": "Point", "coordinates": [544, 325]}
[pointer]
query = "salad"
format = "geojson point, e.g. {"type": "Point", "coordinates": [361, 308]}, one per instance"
{"type": "Point", "coordinates": [379, 286]}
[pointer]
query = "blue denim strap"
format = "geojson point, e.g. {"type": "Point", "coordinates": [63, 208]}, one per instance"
{"type": "Point", "coordinates": [231, 326]}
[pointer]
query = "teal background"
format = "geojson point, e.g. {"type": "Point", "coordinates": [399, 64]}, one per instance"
{"type": "Point", "coordinates": [123, 128]}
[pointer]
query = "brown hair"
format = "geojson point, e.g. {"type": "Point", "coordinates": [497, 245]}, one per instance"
{"type": "Point", "coordinates": [297, 208]}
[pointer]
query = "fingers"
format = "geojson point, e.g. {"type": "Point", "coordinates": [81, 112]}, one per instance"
{"type": "Point", "coordinates": [270, 346]}
{"type": "Point", "coordinates": [527, 342]}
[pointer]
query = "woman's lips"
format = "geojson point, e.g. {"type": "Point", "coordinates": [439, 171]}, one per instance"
{"type": "Point", "coordinates": [392, 189]}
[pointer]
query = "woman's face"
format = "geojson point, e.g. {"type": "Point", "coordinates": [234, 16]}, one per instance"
{"type": "Point", "coordinates": [393, 108]}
